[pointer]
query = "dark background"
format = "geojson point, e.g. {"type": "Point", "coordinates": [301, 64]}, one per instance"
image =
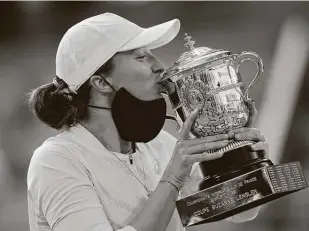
{"type": "Point", "coordinates": [30, 33]}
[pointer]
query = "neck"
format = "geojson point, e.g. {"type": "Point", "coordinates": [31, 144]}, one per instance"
{"type": "Point", "coordinates": [102, 126]}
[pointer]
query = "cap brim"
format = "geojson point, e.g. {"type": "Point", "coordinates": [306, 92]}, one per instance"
{"type": "Point", "coordinates": [154, 37]}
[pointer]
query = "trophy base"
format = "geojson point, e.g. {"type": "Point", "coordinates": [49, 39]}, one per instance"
{"type": "Point", "coordinates": [220, 198]}
{"type": "Point", "coordinates": [237, 160]}
{"type": "Point", "coordinates": [241, 180]}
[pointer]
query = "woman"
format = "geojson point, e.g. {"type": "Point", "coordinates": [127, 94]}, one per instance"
{"type": "Point", "coordinates": [112, 168]}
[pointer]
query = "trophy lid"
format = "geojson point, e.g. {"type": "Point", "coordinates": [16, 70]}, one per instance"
{"type": "Point", "coordinates": [192, 57]}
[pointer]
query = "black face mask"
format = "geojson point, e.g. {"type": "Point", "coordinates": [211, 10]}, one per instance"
{"type": "Point", "coordinates": [137, 120]}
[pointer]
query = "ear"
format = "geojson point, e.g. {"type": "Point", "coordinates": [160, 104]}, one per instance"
{"type": "Point", "coordinates": [100, 85]}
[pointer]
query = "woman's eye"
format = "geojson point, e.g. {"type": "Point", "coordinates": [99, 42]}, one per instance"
{"type": "Point", "coordinates": [141, 57]}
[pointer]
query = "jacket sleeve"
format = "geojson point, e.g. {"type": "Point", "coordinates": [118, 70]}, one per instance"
{"type": "Point", "coordinates": [62, 193]}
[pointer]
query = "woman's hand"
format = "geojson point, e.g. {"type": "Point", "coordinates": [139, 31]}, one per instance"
{"type": "Point", "coordinates": [250, 133]}
{"type": "Point", "coordinates": [187, 152]}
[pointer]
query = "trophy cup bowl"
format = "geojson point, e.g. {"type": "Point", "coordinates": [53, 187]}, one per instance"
{"type": "Point", "coordinates": [209, 79]}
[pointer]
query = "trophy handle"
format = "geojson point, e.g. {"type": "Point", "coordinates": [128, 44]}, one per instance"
{"type": "Point", "coordinates": [244, 56]}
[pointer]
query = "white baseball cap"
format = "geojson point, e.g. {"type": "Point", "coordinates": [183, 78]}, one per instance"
{"type": "Point", "coordinates": [86, 46]}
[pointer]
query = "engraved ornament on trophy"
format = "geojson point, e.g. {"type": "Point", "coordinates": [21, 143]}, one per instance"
{"type": "Point", "coordinates": [209, 79]}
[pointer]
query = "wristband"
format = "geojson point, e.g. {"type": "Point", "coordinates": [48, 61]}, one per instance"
{"type": "Point", "coordinates": [170, 183]}
{"type": "Point", "coordinates": [178, 183]}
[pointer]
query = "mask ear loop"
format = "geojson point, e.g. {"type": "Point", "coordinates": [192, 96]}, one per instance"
{"type": "Point", "coordinates": [107, 83]}
{"type": "Point", "coordinates": [98, 107]}
{"type": "Point", "coordinates": [133, 143]}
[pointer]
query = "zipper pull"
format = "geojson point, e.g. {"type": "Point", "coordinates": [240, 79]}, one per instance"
{"type": "Point", "coordinates": [130, 158]}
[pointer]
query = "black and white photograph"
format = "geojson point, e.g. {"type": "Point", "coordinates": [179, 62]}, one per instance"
{"type": "Point", "coordinates": [154, 116]}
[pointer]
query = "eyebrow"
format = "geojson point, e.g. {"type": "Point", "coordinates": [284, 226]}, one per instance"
{"type": "Point", "coordinates": [138, 50]}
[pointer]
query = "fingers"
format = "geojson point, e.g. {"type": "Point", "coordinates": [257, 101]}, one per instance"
{"type": "Point", "coordinates": [199, 148]}
{"type": "Point", "coordinates": [249, 136]}
{"type": "Point", "coordinates": [220, 137]}
{"type": "Point", "coordinates": [191, 159]}
{"type": "Point", "coordinates": [185, 130]}
{"type": "Point", "coordinates": [244, 129]}
{"type": "Point", "coordinates": [261, 146]}
{"type": "Point", "coordinates": [246, 134]}
{"type": "Point", "coordinates": [252, 113]}
{"type": "Point", "coordinates": [203, 157]}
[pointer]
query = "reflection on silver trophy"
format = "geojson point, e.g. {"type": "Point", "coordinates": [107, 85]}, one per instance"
{"type": "Point", "coordinates": [209, 79]}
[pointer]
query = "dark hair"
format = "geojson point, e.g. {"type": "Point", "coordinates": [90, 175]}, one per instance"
{"type": "Point", "coordinates": [62, 110]}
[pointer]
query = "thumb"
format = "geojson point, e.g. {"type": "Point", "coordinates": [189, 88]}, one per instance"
{"type": "Point", "coordinates": [186, 128]}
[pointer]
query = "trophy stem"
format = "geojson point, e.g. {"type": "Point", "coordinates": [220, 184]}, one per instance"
{"type": "Point", "coordinates": [233, 164]}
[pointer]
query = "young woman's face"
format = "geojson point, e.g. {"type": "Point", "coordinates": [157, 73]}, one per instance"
{"type": "Point", "coordinates": [138, 71]}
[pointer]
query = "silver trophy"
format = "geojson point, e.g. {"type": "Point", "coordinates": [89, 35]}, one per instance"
{"type": "Point", "coordinates": [209, 79]}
